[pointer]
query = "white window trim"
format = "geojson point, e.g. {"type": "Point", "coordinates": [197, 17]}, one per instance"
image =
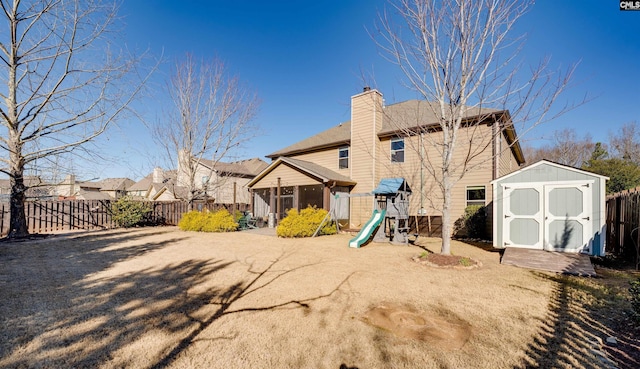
{"type": "Point", "coordinates": [476, 202]}
{"type": "Point", "coordinates": [348, 154]}
{"type": "Point", "coordinates": [391, 150]}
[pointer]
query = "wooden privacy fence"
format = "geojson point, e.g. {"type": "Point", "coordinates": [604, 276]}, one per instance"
{"type": "Point", "coordinates": [66, 215]}
{"type": "Point", "coordinates": [623, 224]}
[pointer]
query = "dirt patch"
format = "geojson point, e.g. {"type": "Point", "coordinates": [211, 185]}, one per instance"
{"type": "Point", "coordinates": [446, 333]}
{"type": "Point", "coordinates": [446, 261]}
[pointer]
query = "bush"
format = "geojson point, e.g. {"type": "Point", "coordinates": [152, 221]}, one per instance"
{"type": "Point", "coordinates": [219, 221]}
{"type": "Point", "coordinates": [304, 223]}
{"type": "Point", "coordinates": [473, 224]}
{"type": "Point", "coordinates": [127, 212]}
{"type": "Point", "coordinates": [634, 290]}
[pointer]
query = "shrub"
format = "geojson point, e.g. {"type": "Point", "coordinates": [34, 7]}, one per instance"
{"type": "Point", "coordinates": [219, 221]}
{"type": "Point", "coordinates": [127, 212]}
{"type": "Point", "coordinates": [634, 290]}
{"type": "Point", "coordinates": [473, 224]}
{"type": "Point", "coordinates": [304, 223]}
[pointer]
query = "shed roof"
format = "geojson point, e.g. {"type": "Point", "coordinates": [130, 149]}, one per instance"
{"type": "Point", "coordinates": [551, 163]}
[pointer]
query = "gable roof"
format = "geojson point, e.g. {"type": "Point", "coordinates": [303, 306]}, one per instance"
{"type": "Point", "coordinates": [177, 192]}
{"type": "Point", "coordinates": [29, 181]}
{"type": "Point", "coordinates": [169, 177]}
{"type": "Point", "coordinates": [553, 164]}
{"type": "Point", "coordinates": [338, 135]}
{"type": "Point", "coordinates": [248, 167]}
{"type": "Point", "coordinates": [113, 184]}
{"type": "Point", "coordinates": [323, 174]}
{"type": "Point", "coordinates": [143, 184]}
{"type": "Point", "coordinates": [419, 113]}
{"type": "Point", "coordinates": [91, 195]}
{"type": "Point", "coordinates": [397, 117]}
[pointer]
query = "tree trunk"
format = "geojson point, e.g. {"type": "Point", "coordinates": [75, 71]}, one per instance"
{"type": "Point", "coordinates": [18, 219]}
{"type": "Point", "coordinates": [446, 216]}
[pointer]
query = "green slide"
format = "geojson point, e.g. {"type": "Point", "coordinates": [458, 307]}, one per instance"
{"type": "Point", "coordinates": [365, 233]}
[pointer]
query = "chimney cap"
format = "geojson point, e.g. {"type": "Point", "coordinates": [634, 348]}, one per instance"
{"type": "Point", "coordinates": [366, 88]}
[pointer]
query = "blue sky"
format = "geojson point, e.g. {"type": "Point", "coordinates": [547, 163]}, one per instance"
{"type": "Point", "coordinates": [305, 59]}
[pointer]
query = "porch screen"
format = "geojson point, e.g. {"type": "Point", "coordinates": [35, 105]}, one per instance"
{"type": "Point", "coordinates": [310, 196]}
{"type": "Point", "coordinates": [261, 199]}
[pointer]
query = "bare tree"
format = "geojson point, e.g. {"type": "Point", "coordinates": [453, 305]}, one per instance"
{"type": "Point", "coordinates": [211, 116]}
{"type": "Point", "coordinates": [459, 56]}
{"type": "Point", "coordinates": [626, 144]}
{"type": "Point", "coordinates": [565, 148]}
{"type": "Point", "coordinates": [63, 84]}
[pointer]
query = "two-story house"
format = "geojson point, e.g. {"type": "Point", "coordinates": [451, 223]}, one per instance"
{"type": "Point", "coordinates": [380, 142]}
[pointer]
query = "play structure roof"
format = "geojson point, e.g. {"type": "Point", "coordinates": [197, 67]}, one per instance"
{"type": "Point", "coordinates": [391, 186]}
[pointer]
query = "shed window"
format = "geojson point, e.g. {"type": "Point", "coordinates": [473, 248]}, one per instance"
{"type": "Point", "coordinates": [397, 150]}
{"type": "Point", "coordinates": [343, 158]}
{"type": "Point", "coordinates": [476, 195]}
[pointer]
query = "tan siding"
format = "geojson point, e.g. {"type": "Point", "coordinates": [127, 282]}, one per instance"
{"type": "Point", "coordinates": [508, 162]}
{"type": "Point", "coordinates": [165, 196]}
{"type": "Point", "coordinates": [366, 121]}
{"type": "Point", "coordinates": [327, 158]}
{"type": "Point", "coordinates": [481, 175]}
{"type": "Point", "coordinates": [223, 192]}
{"type": "Point", "coordinates": [288, 177]}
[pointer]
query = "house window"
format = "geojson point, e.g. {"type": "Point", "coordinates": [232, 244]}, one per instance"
{"type": "Point", "coordinates": [397, 150]}
{"type": "Point", "coordinates": [343, 158]}
{"type": "Point", "coordinates": [476, 195]}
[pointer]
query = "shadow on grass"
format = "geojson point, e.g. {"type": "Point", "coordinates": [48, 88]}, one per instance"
{"type": "Point", "coordinates": [236, 292]}
{"type": "Point", "coordinates": [574, 331]}
{"type": "Point", "coordinates": [75, 319]}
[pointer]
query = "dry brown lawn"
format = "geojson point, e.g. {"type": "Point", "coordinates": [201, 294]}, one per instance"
{"type": "Point", "coordinates": [160, 297]}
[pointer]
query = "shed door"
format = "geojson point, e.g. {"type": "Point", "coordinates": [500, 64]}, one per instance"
{"type": "Point", "coordinates": [523, 216]}
{"type": "Point", "coordinates": [551, 216]}
{"type": "Point", "coordinates": [568, 216]}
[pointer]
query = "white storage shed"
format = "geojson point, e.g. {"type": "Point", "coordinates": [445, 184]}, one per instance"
{"type": "Point", "coordinates": [549, 206]}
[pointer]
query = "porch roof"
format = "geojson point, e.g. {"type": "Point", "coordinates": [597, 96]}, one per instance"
{"type": "Point", "coordinates": [323, 174]}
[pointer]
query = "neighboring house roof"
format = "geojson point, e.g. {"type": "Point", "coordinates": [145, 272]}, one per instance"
{"type": "Point", "coordinates": [321, 173]}
{"type": "Point", "coordinates": [404, 115]}
{"type": "Point", "coordinates": [36, 186]}
{"type": "Point", "coordinates": [114, 184]}
{"type": "Point", "coordinates": [177, 192]}
{"type": "Point", "coordinates": [249, 167]}
{"type": "Point", "coordinates": [169, 176]}
{"type": "Point", "coordinates": [143, 184]}
{"type": "Point", "coordinates": [93, 185]}
{"type": "Point", "coordinates": [92, 195]}
{"type": "Point", "coordinates": [29, 181]}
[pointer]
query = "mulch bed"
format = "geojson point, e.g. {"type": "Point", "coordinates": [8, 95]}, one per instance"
{"type": "Point", "coordinates": [447, 261]}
